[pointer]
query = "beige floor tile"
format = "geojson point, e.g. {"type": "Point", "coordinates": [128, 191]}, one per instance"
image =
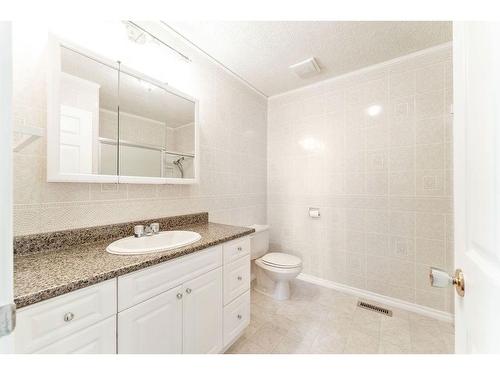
{"type": "Point", "coordinates": [359, 342]}
{"type": "Point", "coordinates": [396, 337]}
{"type": "Point", "coordinates": [449, 341]}
{"type": "Point", "coordinates": [328, 344]}
{"type": "Point", "coordinates": [390, 348]}
{"type": "Point", "coordinates": [292, 346]}
{"type": "Point", "coordinates": [425, 342]}
{"type": "Point", "coordinates": [268, 336]}
{"type": "Point", "coordinates": [245, 346]}
{"type": "Point", "coordinates": [317, 320]}
{"type": "Point", "coordinates": [336, 326]}
{"type": "Point", "coordinates": [367, 322]}
{"type": "Point", "coordinates": [306, 331]}
{"type": "Point", "coordinates": [394, 323]}
{"type": "Point", "coordinates": [446, 327]}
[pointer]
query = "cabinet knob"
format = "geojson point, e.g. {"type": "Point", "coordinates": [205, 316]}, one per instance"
{"type": "Point", "coordinates": [240, 248]}
{"type": "Point", "coordinates": [188, 290]}
{"type": "Point", "coordinates": [239, 316]}
{"type": "Point", "coordinates": [68, 317]}
{"type": "Point", "coordinates": [179, 295]}
{"type": "Point", "coordinates": [240, 278]}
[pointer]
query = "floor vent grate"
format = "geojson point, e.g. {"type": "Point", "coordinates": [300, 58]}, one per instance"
{"type": "Point", "coordinates": [369, 306]}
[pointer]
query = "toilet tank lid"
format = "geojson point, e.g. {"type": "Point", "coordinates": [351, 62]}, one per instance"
{"type": "Point", "coordinates": [259, 227]}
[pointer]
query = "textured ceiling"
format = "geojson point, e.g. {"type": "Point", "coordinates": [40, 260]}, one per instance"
{"type": "Point", "coordinates": [261, 52]}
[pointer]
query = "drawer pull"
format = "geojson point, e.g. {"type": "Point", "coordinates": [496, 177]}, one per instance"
{"type": "Point", "coordinates": [239, 316]}
{"type": "Point", "coordinates": [188, 290]}
{"type": "Point", "coordinates": [240, 248]}
{"type": "Point", "coordinates": [240, 278]}
{"type": "Point", "coordinates": [179, 295]}
{"type": "Point", "coordinates": [68, 317]}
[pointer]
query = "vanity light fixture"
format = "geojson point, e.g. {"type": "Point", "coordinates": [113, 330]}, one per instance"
{"type": "Point", "coordinates": [138, 35]}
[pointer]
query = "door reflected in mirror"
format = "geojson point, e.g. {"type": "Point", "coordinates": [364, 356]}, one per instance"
{"type": "Point", "coordinates": [88, 112]}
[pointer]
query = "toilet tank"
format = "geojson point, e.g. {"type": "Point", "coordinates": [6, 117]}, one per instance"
{"type": "Point", "coordinates": [259, 242]}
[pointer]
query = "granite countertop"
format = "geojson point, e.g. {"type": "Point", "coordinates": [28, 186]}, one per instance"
{"type": "Point", "coordinates": [44, 274]}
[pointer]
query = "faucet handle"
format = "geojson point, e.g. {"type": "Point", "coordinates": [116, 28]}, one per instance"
{"type": "Point", "coordinates": [155, 227]}
{"type": "Point", "coordinates": [139, 230]}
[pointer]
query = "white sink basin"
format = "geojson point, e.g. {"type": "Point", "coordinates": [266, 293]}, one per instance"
{"type": "Point", "coordinates": [162, 241]}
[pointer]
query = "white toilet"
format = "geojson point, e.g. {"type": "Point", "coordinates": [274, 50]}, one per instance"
{"type": "Point", "coordinates": [272, 271]}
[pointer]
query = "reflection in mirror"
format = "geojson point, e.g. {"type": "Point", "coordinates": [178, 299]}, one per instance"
{"type": "Point", "coordinates": [88, 113]}
{"type": "Point", "coordinates": [157, 136]}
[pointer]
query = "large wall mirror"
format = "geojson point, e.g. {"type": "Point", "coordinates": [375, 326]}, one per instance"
{"type": "Point", "coordinates": [108, 123]}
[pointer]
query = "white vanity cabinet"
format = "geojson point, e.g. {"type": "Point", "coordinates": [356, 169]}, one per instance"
{"type": "Point", "coordinates": [197, 303]}
{"type": "Point", "coordinates": [184, 319]}
{"type": "Point", "coordinates": [173, 307]}
{"type": "Point", "coordinates": [80, 321]}
{"type": "Point", "coordinates": [236, 289]}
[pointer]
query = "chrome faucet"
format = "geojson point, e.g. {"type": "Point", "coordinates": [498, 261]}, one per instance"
{"type": "Point", "coordinates": [148, 230]}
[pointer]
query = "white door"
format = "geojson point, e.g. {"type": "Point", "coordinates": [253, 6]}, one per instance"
{"type": "Point", "coordinates": [153, 326]}
{"type": "Point", "coordinates": [203, 314]}
{"type": "Point", "coordinates": [476, 60]}
{"type": "Point", "coordinates": [76, 132]}
{"type": "Point", "coordinates": [6, 271]}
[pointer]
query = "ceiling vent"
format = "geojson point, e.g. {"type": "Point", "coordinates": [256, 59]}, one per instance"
{"type": "Point", "coordinates": [306, 68]}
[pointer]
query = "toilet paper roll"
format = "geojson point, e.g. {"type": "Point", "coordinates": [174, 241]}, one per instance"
{"type": "Point", "coordinates": [439, 278]}
{"type": "Point", "coordinates": [314, 212]}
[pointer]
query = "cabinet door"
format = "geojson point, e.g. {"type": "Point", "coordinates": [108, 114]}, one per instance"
{"type": "Point", "coordinates": [99, 338]}
{"type": "Point", "coordinates": [203, 314]}
{"type": "Point", "coordinates": [153, 326]}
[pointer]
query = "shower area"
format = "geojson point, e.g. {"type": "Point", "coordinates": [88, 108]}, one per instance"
{"type": "Point", "coordinates": [157, 150]}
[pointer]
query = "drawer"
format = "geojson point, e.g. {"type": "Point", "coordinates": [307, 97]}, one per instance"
{"type": "Point", "coordinates": [236, 278]}
{"type": "Point", "coordinates": [141, 285]}
{"type": "Point", "coordinates": [236, 249]}
{"type": "Point", "coordinates": [47, 322]}
{"type": "Point", "coordinates": [236, 318]}
{"type": "Point", "coordinates": [99, 338]}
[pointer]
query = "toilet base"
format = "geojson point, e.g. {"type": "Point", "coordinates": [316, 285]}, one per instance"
{"type": "Point", "coordinates": [274, 283]}
{"type": "Point", "coordinates": [281, 290]}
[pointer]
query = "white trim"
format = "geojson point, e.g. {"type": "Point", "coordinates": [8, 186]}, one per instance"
{"type": "Point", "coordinates": [369, 68]}
{"type": "Point", "coordinates": [394, 302]}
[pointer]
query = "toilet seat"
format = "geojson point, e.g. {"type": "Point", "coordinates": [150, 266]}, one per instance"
{"type": "Point", "coordinates": [281, 260]}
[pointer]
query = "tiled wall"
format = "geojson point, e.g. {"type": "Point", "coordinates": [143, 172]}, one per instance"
{"type": "Point", "coordinates": [383, 181]}
{"type": "Point", "coordinates": [232, 156]}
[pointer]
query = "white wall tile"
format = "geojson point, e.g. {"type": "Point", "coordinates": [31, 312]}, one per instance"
{"type": "Point", "coordinates": [386, 179]}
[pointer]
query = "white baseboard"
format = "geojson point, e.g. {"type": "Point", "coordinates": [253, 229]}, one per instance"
{"type": "Point", "coordinates": [394, 302]}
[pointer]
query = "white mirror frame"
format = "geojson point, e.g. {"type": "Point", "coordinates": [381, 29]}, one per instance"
{"type": "Point", "coordinates": [53, 122]}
